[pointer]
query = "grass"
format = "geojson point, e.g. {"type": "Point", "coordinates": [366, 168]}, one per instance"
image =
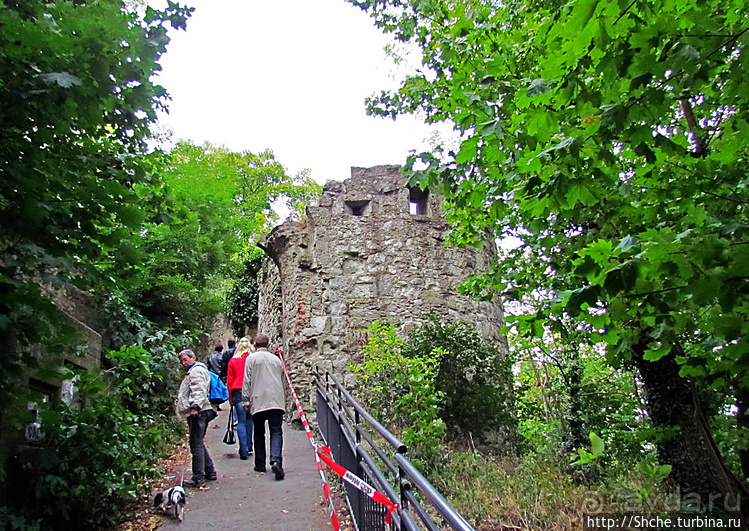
{"type": "Point", "coordinates": [534, 491]}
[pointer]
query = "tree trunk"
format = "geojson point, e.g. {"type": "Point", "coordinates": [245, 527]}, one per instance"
{"type": "Point", "coordinates": [742, 420]}
{"type": "Point", "coordinates": [675, 405]}
{"type": "Point", "coordinates": [575, 436]}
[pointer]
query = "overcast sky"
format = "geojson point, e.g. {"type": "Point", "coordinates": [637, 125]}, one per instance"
{"type": "Point", "coordinates": [290, 76]}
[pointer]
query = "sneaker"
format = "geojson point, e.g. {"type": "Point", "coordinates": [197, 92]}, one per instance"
{"type": "Point", "coordinates": [277, 470]}
{"type": "Point", "coordinates": [259, 469]}
{"type": "Point", "coordinates": [192, 484]}
{"type": "Point", "coordinates": [243, 457]}
{"type": "Point", "coordinates": [211, 477]}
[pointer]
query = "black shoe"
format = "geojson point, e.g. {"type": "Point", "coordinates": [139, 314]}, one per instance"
{"type": "Point", "coordinates": [277, 470]}
{"type": "Point", "coordinates": [211, 477]}
{"type": "Point", "coordinates": [192, 484]}
{"type": "Point", "coordinates": [243, 457]}
{"type": "Point", "coordinates": [259, 469]}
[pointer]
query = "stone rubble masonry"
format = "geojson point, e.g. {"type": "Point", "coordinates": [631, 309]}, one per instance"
{"type": "Point", "coordinates": [360, 256]}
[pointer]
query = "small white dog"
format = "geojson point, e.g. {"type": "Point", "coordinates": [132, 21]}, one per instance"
{"type": "Point", "coordinates": [172, 502]}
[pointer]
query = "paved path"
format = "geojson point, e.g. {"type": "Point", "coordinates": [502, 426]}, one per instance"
{"type": "Point", "coordinates": [244, 499]}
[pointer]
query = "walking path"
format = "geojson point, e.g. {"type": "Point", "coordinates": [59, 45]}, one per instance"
{"type": "Point", "coordinates": [245, 499]}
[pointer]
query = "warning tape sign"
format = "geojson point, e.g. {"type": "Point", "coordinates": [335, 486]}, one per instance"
{"type": "Point", "coordinates": [323, 453]}
{"type": "Point", "coordinates": [310, 436]}
{"type": "Point", "coordinates": [357, 482]}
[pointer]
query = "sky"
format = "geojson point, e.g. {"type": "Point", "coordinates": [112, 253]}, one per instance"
{"type": "Point", "coordinates": [290, 76]}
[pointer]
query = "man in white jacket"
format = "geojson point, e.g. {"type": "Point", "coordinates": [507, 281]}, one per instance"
{"type": "Point", "coordinates": [263, 394]}
{"type": "Point", "coordinates": [194, 406]}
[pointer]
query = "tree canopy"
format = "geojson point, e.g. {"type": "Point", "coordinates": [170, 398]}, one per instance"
{"type": "Point", "coordinates": [192, 249]}
{"type": "Point", "coordinates": [611, 139]}
{"type": "Point", "coordinates": [76, 102]}
{"type": "Point", "coordinates": [155, 239]}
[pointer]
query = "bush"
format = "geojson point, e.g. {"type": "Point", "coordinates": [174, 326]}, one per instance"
{"type": "Point", "coordinates": [242, 299]}
{"type": "Point", "coordinates": [403, 390]}
{"type": "Point", "coordinates": [474, 377]}
{"type": "Point", "coordinates": [94, 456]}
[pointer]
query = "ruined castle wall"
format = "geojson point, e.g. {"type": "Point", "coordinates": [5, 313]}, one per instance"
{"type": "Point", "coordinates": [270, 304]}
{"type": "Point", "coordinates": [371, 249]}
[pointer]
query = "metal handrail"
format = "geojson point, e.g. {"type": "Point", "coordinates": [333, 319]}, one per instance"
{"type": "Point", "coordinates": [351, 426]}
{"type": "Point", "coordinates": [379, 428]}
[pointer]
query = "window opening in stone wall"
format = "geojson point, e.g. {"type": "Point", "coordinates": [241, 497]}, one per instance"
{"type": "Point", "coordinates": [417, 201]}
{"type": "Point", "coordinates": [357, 208]}
{"type": "Point", "coordinates": [44, 394]}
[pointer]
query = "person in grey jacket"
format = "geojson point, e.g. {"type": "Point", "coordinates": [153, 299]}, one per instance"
{"type": "Point", "coordinates": [193, 405]}
{"type": "Point", "coordinates": [264, 397]}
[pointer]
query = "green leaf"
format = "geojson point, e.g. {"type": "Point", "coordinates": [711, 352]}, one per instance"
{"type": "Point", "coordinates": [537, 87]}
{"type": "Point", "coordinates": [596, 444]}
{"type": "Point", "coordinates": [628, 242]}
{"type": "Point", "coordinates": [654, 354]}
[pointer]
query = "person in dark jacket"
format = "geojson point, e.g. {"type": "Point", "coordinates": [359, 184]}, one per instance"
{"type": "Point", "coordinates": [226, 356]}
{"type": "Point", "coordinates": [215, 359]}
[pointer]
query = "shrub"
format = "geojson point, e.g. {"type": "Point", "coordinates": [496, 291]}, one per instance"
{"type": "Point", "coordinates": [93, 456]}
{"type": "Point", "coordinates": [403, 390]}
{"type": "Point", "coordinates": [474, 377]}
{"type": "Point", "coordinates": [242, 298]}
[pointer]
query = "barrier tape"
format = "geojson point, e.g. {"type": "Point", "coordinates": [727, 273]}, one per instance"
{"type": "Point", "coordinates": [327, 457]}
{"type": "Point", "coordinates": [358, 483]}
{"type": "Point", "coordinates": [310, 436]}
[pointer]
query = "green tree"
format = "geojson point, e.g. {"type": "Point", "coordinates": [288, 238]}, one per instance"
{"type": "Point", "coordinates": [76, 101]}
{"type": "Point", "coordinates": [611, 138]}
{"type": "Point", "coordinates": [474, 379]}
{"type": "Point", "coordinates": [242, 299]}
{"type": "Point", "coordinates": [213, 207]}
{"type": "Point", "coordinates": [77, 98]}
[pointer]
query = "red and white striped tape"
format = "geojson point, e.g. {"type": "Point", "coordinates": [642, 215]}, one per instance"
{"type": "Point", "coordinates": [359, 483]}
{"type": "Point", "coordinates": [325, 487]}
{"type": "Point", "coordinates": [323, 452]}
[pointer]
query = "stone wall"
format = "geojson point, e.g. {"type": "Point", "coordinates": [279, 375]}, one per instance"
{"type": "Point", "coordinates": [371, 249]}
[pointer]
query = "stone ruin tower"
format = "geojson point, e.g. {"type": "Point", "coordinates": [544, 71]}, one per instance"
{"type": "Point", "coordinates": [371, 249]}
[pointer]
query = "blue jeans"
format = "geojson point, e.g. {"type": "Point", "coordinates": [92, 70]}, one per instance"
{"type": "Point", "coordinates": [202, 464]}
{"type": "Point", "coordinates": [244, 424]}
{"type": "Point", "coordinates": [274, 417]}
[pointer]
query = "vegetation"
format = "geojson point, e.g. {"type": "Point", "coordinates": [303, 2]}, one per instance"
{"type": "Point", "coordinates": [610, 139]}
{"type": "Point", "coordinates": [196, 244]}
{"type": "Point", "coordinates": [403, 390]}
{"type": "Point", "coordinates": [242, 299]}
{"type": "Point", "coordinates": [98, 451]}
{"type": "Point", "coordinates": [544, 482]}
{"type": "Point", "coordinates": [154, 240]}
{"type": "Point", "coordinates": [474, 379]}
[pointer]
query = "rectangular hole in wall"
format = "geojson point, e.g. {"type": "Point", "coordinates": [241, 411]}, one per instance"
{"type": "Point", "coordinates": [357, 208]}
{"type": "Point", "coordinates": [418, 201]}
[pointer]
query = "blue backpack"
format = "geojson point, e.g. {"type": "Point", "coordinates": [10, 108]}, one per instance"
{"type": "Point", "coordinates": [217, 392]}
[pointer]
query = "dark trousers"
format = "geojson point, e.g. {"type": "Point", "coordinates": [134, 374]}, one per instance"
{"type": "Point", "coordinates": [202, 464]}
{"type": "Point", "coordinates": [274, 418]}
